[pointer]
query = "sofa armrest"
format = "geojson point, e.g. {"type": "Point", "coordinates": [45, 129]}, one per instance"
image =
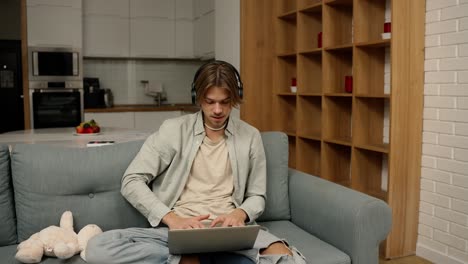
{"type": "Point", "coordinates": [349, 220]}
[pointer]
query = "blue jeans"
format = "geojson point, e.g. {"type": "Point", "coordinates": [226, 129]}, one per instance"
{"type": "Point", "coordinates": [149, 246]}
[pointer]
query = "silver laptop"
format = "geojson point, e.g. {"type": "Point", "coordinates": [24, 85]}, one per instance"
{"type": "Point", "coordinates": [203, 240]}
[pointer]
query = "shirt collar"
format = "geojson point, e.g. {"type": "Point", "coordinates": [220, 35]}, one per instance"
{"type": "Point", "coordinates": [200, 128]}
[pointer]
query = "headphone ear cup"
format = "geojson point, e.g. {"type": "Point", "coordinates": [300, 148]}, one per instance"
{"type": "Point", "coordinates": [194, 94]}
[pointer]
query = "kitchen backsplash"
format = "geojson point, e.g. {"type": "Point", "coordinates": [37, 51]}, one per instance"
{"type": "Point", "coordinates": [124, 78]}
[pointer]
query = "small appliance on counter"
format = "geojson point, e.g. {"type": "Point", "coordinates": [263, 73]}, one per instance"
{"type": "Point", "coordinates": [93, 94]}
{"type": "Point", "coordinates": [108, 98]}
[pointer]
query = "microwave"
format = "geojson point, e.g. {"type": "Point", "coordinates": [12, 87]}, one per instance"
{"type": "Point", "coordinates": [55, 65]}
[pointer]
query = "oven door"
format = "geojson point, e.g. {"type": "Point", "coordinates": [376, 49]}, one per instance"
{"type": "Point", "coordinates": [57, 108]}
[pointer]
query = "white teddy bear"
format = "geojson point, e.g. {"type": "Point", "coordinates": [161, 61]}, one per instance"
{"type": "Point", "coordinates": [53, 241]}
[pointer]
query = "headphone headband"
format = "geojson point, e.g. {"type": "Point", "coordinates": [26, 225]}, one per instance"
{"type": "Point", "coordinates": [216, 62]}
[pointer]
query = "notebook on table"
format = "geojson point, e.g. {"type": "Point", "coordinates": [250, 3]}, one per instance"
{"type": "Point", "coordinates": [215, 239]}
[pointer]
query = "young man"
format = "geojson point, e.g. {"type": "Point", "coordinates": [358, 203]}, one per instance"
{"type": "Point", "coordinates": [203, 167]}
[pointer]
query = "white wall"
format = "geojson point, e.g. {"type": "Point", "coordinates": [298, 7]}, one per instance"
{"type": "Point", "coordinates": [227, 33]}
{"type": "Point", "coordinates": [443, 216]}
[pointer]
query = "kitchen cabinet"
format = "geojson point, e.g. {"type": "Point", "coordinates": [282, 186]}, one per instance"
{"type": "Point", "coordinates": [184, 24]}
{"type": "Point", "coordinates": [204, 37]}
{"type": "Point", "coordinates": [106, 31]}
{"type": "Point", "coordinates": [54, 23]}
{"type": "Point", "coordinates": [152, 37]}
{"type": "Point", "coordinates": [151, 121]}
{"type": "Point", "coordinates": [138, 28]}
{"type": "Point", "coordinates": [152, 28]}
{"type": "Point", "coordinates": [145, 120]}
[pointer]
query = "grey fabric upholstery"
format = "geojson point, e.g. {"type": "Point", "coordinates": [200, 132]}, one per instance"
{"type": "Point", "coordinates": [49, 180]}
{"type": "Point", "coordinates": [351, 221]}
{"type": "Point", "coordinates": [328, 223]}
{"type": "Point", "coordinates": [276, 151]}
{"type": "Point", "coordinates": [7, 256]}
{"type": "Point", "coordinates": [7, 207]}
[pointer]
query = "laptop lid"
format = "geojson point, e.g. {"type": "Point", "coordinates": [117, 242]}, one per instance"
{"type": "Point", "coordinates": [216, 239]}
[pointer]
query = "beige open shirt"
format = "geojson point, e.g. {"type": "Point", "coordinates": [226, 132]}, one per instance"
{"type": "Point", "coordinates": [166, 157]}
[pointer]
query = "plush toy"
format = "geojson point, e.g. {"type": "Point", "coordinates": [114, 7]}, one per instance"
{"type": "Point", "coordinates": [53, 241]}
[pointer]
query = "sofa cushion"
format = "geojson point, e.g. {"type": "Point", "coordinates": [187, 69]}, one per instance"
{"type": "Point", "coordinates": [8, 257]}
{"type": "Point", "coordinates": [49, 180]}
{"type": "Point", "coordinates": [314, 249]}
{"type": "Point", "coordinates": [276, 151]}
{"type": "Point", "coordinates": [7, 208]}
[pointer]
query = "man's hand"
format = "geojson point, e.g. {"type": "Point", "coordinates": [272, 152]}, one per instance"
{"type": "Point", "coordinates": [173, 221]}
{"type": "Point", "coordinates": [236, 218]}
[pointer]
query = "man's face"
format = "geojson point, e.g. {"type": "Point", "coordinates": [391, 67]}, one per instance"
{"type": "Point", "coordinates": [216, 106]}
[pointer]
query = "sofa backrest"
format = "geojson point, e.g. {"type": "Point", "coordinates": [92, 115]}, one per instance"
{"type": "Point", "coordinates": [49, 180]}
{"type": "Point", "coordinates": [7, 209]}
{"type": "Point", "coordinates": [276, 151]}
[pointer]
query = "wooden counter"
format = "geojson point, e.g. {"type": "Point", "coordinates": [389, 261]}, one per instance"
{"type": "Point", "coordinates": [144, 108]}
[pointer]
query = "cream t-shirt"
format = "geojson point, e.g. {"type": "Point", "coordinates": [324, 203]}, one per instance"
{"type": "Point", "coordinates": [210, 184]}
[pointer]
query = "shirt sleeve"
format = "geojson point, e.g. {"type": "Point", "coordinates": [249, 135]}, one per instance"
{"type": "Point", "coordinates": [152, 159]}
{"type": "Point", "coordinates": [255, 193]}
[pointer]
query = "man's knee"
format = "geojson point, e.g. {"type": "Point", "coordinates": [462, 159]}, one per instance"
{"type": "Point", "coordinates": [95, 251]}
{"type": "Point", "coordinates": [277, 248]}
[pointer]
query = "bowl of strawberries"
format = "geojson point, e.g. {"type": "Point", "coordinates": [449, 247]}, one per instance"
{"type": "Point", "coordinates": [88, 128]}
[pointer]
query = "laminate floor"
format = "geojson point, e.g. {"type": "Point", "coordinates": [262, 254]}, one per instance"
{"type": "Point", "coordinates": [406, 260]}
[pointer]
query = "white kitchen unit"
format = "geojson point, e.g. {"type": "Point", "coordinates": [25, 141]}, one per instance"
{"type": "Point", "coordinates": [151, 121]}
{"type": "Point", "coordinates": [204, 29]}
{"type": "Point", "coordinates": [152, 28]}
{"type": "Point", "coordinates": [106, 30]}
{"type": "Point", "coordinates": [144, 121]}
{"type": "Point", "coordinates": [184, 35]}
{"type": "Point", "coordinates": [112, 119]}
{"type": "Point", "coordinates": [203, 7]}
{"type": "Point", "coordinates": [54, 23]}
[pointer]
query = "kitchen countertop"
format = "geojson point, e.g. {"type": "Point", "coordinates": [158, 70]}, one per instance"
{"type": "Point", "coordinates": [145, 108]}
{"type": "Point", "coordinates": [67, 136]}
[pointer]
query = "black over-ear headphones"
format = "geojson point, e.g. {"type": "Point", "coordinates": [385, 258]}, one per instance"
{"type": "Point", "coordinates": [216, 62]}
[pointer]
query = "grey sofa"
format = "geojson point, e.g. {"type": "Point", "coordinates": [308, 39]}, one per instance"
{"type": "Point", "coordinates": [328, 223]}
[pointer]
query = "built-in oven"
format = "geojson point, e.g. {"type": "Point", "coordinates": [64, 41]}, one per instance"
{"type": "Point", "coordinates": [56, 107]}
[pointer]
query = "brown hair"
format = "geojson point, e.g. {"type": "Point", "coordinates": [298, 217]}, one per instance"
{"type": "Point", "coordinates": [220, 74]}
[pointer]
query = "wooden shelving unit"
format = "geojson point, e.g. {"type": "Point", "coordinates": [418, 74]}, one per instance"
{"type": "Point", "coordinates": [368, 139]}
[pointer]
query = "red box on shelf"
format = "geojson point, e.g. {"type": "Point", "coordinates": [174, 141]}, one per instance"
{"type": "Point", "coordinates": [349, 84]}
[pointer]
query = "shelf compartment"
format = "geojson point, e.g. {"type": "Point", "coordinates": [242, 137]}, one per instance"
{"type": "Point", "coordinates": [370, 173]}
{"type": "Point", "coordinates": [309, 24]}
{"type": "Point", "coordinates": [336, 160]}
{"type": "Point", "coordinates": [285, 71]}
{"type": "Point", "coordinates": [337, 23]}
{"type": "Point", "coordinates": [310, 73]}
{"type": "Point", "coordinates": [336, 65]}
{"type": "Point", "coordinates": [371, 123]}
{"type": "Point", "coordinates": [337, 119]}
{"type": "Point", "coordinates": [309, 116]}
{"type": "Point", "coordinates": [339, 2]}
{"type": "Point", "coordinates": [292, 151]}
{"type": "Point", "coordinates": [286, 114]}
{"type": "Point", "coordinates": [286, 37]}
{"type": "Point", "coordinates": [369, 20]}
{"type": "Point", "coordinates": [285, 6]}
{"type": "Point", "coordinates": [309, 159]}
{"type": "Point", "coordinates": [310, 5]}
{"type": "Point", "coordinates": [372, 70]}
{"type": "Point", "coordinates": [375, 43]}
